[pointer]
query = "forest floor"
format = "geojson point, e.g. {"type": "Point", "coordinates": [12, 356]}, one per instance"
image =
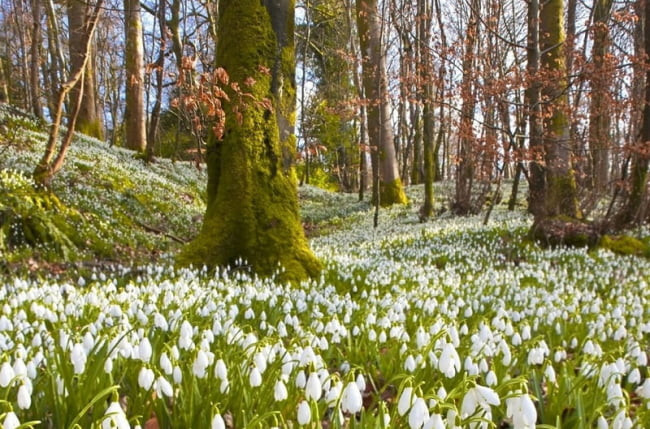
{"type": "Point", "coordinates": [447, 323]}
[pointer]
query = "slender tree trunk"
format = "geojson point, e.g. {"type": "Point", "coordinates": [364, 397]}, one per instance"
{"type": "Point", "coordinates": [425, 80]}
{"type": "Point", "coordinates": [537, 185]}
{"type": "Point", "coordinates": [561, 193]}
{"type": "Point", "coordinates": [601, 100]}
{"type": "Point", "coordinates": [380, 131]}
{"type": "Point", "coordinates": [466, 161]}
{"type": "Point", "coordinates": [152, 133]}
{"type": "Point", "coordinates": [88, 121]}
{"type": "Point", "coordinates": [252, 205]}
{"type": "Point", "coordinates": [136, 135]}
{"type": "Point", "coordinates": [4, 82]}
{"type": "Point", "coordinates": [37, 105]}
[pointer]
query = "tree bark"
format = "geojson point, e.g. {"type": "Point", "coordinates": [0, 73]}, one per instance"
{"type": "Point", "coordinates": [380, 131]}
{"type": "Point", "coordinates": [601, 75]}
{"type": "Point", "coordinates": [252, 209]}
{"type": "Point", "coordinates": [88, 120]}
{"type": "Point", "coordinates": [561, 193]}
{"type": "Point", "coordinates": [37, 105]}
{"type": "Point", "coordinates": [425, 80]}
{"type": "Point", "coordinates": [136, 135]}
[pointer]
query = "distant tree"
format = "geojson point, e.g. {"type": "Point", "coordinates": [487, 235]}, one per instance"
{"type": "Point", "coordinates": [89, 121]}
{"type": "Point", "coordinates": [136, 136]}
{"type": "Point", "coordinates": [387, 188]}
{"type": "Point", "coordinates": [252, 206]}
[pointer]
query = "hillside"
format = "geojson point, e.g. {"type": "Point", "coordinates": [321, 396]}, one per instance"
{"type": "Point", "coordinates": [450, 323]}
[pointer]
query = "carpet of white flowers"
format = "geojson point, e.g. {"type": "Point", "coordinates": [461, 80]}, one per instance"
{"type": "Point", "coordinates": [448, 324]}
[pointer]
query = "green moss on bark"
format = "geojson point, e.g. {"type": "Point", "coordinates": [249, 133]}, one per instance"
{"type": "Point", "coordinates": [561, 196]}
{"type": "Point", "coordinates": [252, 211]}
{"type": "Point", "coordinates": [392, 193]}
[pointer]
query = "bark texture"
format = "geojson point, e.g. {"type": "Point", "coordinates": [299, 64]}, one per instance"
{"type": "Point", "coordinates": [252, 212]}
{"type": "Point", "coordinates": [136, 135]}
{"type": "Point", "coordinates": [380, 132]}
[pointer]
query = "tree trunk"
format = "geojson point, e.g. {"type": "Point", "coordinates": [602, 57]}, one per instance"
{"type": "Point", "coordinates": [537, 184]}
{"type": "Point", "coordinates": [252, 206]}
{"type": "Point", "coordinates": [634, 209]}
{"type": "Point", "coordinates": [380, 131]}
{"type": "Point", "coordinates": [37, 105]}
{"type": "Point", "coordinates": [136, 135]}
{"type": "Point", "coordinates": [88, 120]}
{"type": "Point", "coordinates": [425, 81]}
{"type": "Point", "coordinates": [152, 132]}
{"type": "Point", "coordinates": [466, 161]}
{"type": "Point", "coordinates": [561, 194]}
{"type": "Point", "coordinates": [601, 99]}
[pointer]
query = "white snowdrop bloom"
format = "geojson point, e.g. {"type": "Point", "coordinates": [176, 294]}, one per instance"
{"type": "Point", "coordinates": [516, 339]}
{"type": "Point", "coordinates": [224, 386]}
{"type": "Point", "coordinates": [478, 400]}
{"type": "Point", "coordinates": [255, 378]}
{"type": "Point", "coordinates": [602, 423]}
{"type": "Point", "coordinates": [24, 397]}
{"type": "Point", "coordinates": [166, 364]}
{"type": "Point", "coordinates": [333, 394]}
{"type": "Point", "coordinates": [114, 417]}
{"type": "Point", "coordinates": [644, 389]}
{"type": "Point", "coordinates": [419, 414]}
{"type": "Point", "coordinates": [304, 413]}
{"type": "Point", "coordinates": [522, 411]}
{"type": "Point", "coordinates": [218, 422]}
{"type": "Point", "coordinates": [621, 421]}
{"type": "Point", "coordinates": [163, 387]}
{"type": "Point", "coordinates": [108, 365]}
{"type": "Point", "coordinates": [435, 421]}
{"type": "Point", "coordinates": [301, 379]}
{"type": "Point", "coordinates": [313, 388]}
{"type": "Point", "coordinates": [406, 400]}
{"type": "Point", "coordinates": [146, 378]}
{"type": "Point", "coordinates": [449, 361]}
{"type": "Point", "coordinates": [361, 382]}
{"type": "Point", "coordinates": [185, 340]}
{"type": "Point", "coordinates": [6, 374]}
{"type": "Point", "coordinates": [220, 370]}
{"type": "Point", "coordinates": [200, 364]}
{"type": "Point", "coordinates": [634, 377]}
{"type": "Point", "coordinates": [20, 370]}
{"type": "Point", "coordinates": [308, 356]}
{"type": "Point", "coordinates": [351, 399]}
{"type": "Point", "coordinates": [11, 421]}
{"type": "Point", "coordinates": [409, 364]}
{"type": "Point", "coordinates": [549, 373]}
{"type": "Point", "coordinates": [615, 395]}
{"type": "Point", "coordinates": [382, 337]}
{"type": "Point", "coordinates": [589, 348]}
{"type": "Point", "coordinates": [260, 362]}
{"type": "Point", "coordinates": [78, 358]}
{"type": "Point", "coordinates": [144, 350]}
{"type": "Point", "coordinates": [280, 391]}
{"type": "Point", "coordinates": [491, 378]}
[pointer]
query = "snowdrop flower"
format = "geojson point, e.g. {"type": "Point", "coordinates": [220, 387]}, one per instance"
{"type": "Point", "coordinates": [304, 413]}
{"type": "Point", "coordinates": [313, 389]}
{"type": "Point", "coordinates": [280, 391]}
{"type": "Point", "coordinates": [549, 373]}
{"type": "Point", "coordinates": [255, 378]}
{"type": "Point", "coordinates": [144, 350]}
{"type": "Point", "coordinates": [405, 401]}
{"type": "Point", "coordinates": [24, 398]}
{"type": "Point", "coordinates": [115, 417]}
{"type": "Point", "coordinates": [621, 421]}
{"type": "Point", "coordinates": [449, 362]}
{"type": "Point", "coordinates": [220, 370]}
{"type": "Point", "coordinates": [409, 364]}
{"type": "Point", "coordinates": [177, 375]}
{"type": "Point", "coordinates": [301, 379]}
{"type": "Point", "coordinates": [522, 411]}
{"type": "Point", "coordinates": [11, 421]}
{"type": "Point", "coordinates": [200, 364]}
{"type": "Point", "coordinates": [634, 377]}
{"type": "Point", "coordinates": [146, 378]}
{"type": "Point", "coordinates": [602, 423]}
{"type": "Point", "coordinates": [78, 358]}
{"type": "Point", "coordinates": [434, 422]}
{"type": "Point", "coordinates": [419, 414]}
{"type": "Point", "coordinates": [166, 364]}
{"type": "Point", "coordinates": [491, 378]}
{"type": "Point", "coordinates": [644, 389]}
{"type": "Point", "coordinates": [480, 397]}
{"type": "Point", "coordinates": [185, 340]}
{"type": "Point", "coordinates": [361, 383]}
{"type": "Point", "coordinates": [6, 374]}
{"type": "Point", "coordinates": [218, 422]}
{"type": "Point", "coordinates": [163, 387]}
{"type": "Point", "coordinates": [351, 400]}
{"type": "Point", "coordinates": [333, 393]}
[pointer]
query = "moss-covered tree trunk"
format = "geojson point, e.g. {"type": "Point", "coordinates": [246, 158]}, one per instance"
{"type": "Point", "coordinates": [252, 210]}
{"type": "Point", "coordinates": [88, 121]}
{"type": "Point", "coordinates": [380, 130]}
{"type": "Point", "coordinates": [425, 78]}
{"type": "Point", "coordinates": [136, 135]}
{"type": "Point", "coordinates": [601, 99]}
{"type": "Point", "coordinates": [561, 193]}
